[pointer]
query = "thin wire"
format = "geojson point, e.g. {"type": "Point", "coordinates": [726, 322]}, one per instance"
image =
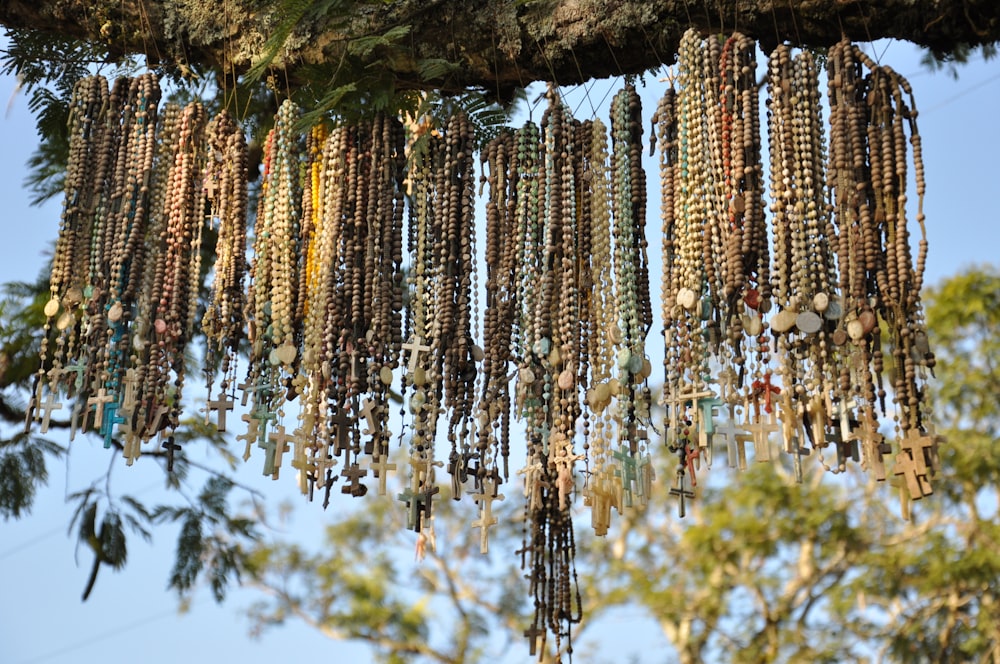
{"type": "Point", "coordinates": [104, 636]}
{"type": "Point", "coordinates": [961, 94]}
{"type": "Point", "coordinates": [24, 545]}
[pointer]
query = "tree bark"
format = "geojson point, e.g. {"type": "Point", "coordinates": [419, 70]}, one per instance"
{"type": "Point", "coordinates": [496, 45]}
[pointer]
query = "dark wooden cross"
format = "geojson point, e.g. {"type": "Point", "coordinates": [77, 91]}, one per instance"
{"type": "Point", "coordinates": [171, 447]}
{"type": "Point", "coordinates": [222, 404]}
{"type": "Point", "coordinates": [681, 493]}
{"type": "Point", "coordinates": [342, 421]}
{"type": "Point", "coordinates": [532, 634]}
{"type": "Point", "coordinates": [419, 499]}
{"type": "Point", "coordinates": [795, 448]}
{"type": "Point", "coordinates": [161, 412]}
{"type": "Point", "coordinates": [425, 502]}
{"type": "Point", "coordinates": [412, 517]}
{"type": "Point", "coordinates": [415, 346]}
{"type": "Point", "coordinates": [354, 473]}
{"type": "Point", "coordinates": [918, 447]}
{"type": "Point", "coordinates": [906, 467]}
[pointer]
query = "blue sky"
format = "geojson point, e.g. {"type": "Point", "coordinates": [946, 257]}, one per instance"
{"type": "Point", "coordinates": [131, 616]}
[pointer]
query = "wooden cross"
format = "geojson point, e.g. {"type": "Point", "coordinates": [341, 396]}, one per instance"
{"type": "Point", "coordinates": [353, 472]}
{"type": "Point", "coordinates": [111, 419]}
{"type": "Point", "coordinates": [419, 504]}
{"type": "Point", "coordinates": [251, 435]}
{"type": "Point", "coordinates": [486, 517]}
{"type": "Point", "coordinates": [48, 406]}
{"type": "Point", "coordinates": [848, 449]}
{"type": "Point", "coordinates": [300, 462]}
{"type": "Point", "coordinates": [681, 493]}
{"type": "Point", "coordinates": [263, 416]}
{"type": "Point", "coordinates": [843, 415]}
{"type": "Point", "coordinates": [368, 411]}
{"type": "Point", "coordinates": [410, 498]}
{"type": "Point", "coordinates": [766, 389]}
{"type": "Point", "coordinates": [415, 346]}
{"type": "Point", "coordinates": [381, 467]}
{"type": "Point", "coordinates": [222, 404]}
{"type": "Point", "coordinates": [532, 634]}
{"type": "Point", "coordinates": [161, 412]}
{"type": "Point", "coordinates": [79, 370]}
{"type": "Point", "coordinates": [791, 423]}
{"type": "Point", "coordinates": [872, 444]}
{"type": "Point", "coordinates": [170, 446]}
{"type": "Point", "coordinates": [626, 472]}
{"type": "Point", "coordinates": [131, 387]}
{"type": "Point", "coordinates": [270, 447]}
{"type": "Point", "coordinates": [98, 401]}
{"type": "Point", "coordinates": [730, 434]}
{"type": "Point", "coordinates": [795, 448]}
{"type": "Point", "coordinates": [210, 187]}
{"type": "Point", "coordinates": [353, 354]}
{"type": "Point", "coordinates": [132, 447]}
{"type": "Point", "coordinates": [74, 419]}
{"type": "Point", "coordinates": [342, 421]}
{"type": "Point", "coordinates": [647, 475]}
{"type": "Point", "coordinates": [909, 469]}
{"type": "Point", "coordinates": [29, 413]}
{"type": "Point", "coordinates": [706, 412]}
{"type": "Point", "coordinates": [533, 483]}
{"type": "Point", "coordinates": [728, 384]}
{"type": "Point", "coordinates": [562, 460]}
{"type": "Point", "coordinates": [816, 413]}
{"type": "Point", "coordinates": [918, 447]}
{"type": "Point", "coordinates": [761, 431]}
{"type": "Point", "coordinates": [602, 500]}
{"type": "Point", "coordinates": [245, 388]}
{"type": "Point", "coordinates": [321, 461]}
{"type": "Point", "coordinates": [280, 445]}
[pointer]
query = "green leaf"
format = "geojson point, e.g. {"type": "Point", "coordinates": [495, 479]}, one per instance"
{"type": "Point", "coordinates": [190, 546]}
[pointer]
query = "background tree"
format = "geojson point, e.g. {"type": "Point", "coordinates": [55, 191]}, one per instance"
{"type": "Point", "coordinates": [760, 570]}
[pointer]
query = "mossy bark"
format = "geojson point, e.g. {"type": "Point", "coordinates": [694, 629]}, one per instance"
{"type": "Point", "coordinates": [499, 44]}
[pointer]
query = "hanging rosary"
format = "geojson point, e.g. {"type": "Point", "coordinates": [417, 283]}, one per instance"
{"type": "Point", "coordinates": [794, 311]}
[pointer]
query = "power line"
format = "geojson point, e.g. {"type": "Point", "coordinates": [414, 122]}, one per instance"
{"type": "Point", "coordinates": [29, 543]}
{"type": "Point", "coordinates": [99, 637]}
{"type": "Point", "coordinates": [959, 95]}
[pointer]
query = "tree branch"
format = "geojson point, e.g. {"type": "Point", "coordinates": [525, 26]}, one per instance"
{"type": "Point", "coordinates": [497, 45]}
